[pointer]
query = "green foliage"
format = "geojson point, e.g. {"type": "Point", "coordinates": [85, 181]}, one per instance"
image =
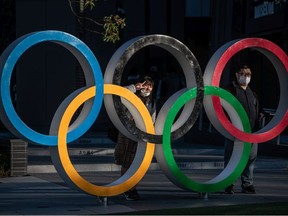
{"type": "Point", "coordinates": [112, 25]}
{"type": "Point", "coordinates": [89, 3]}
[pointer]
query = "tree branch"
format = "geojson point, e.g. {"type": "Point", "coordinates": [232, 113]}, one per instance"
{"type": "Point", "coordinates": [110, 24]}
{"type": "Point", "coordinates": [79, 18]}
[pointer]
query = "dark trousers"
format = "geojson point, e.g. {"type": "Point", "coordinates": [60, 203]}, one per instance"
{"type": "Point", "coordinates": [247, 174]}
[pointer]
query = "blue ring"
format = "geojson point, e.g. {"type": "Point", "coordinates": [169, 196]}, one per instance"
{"type": "Point", "coordinates": [7, 63]}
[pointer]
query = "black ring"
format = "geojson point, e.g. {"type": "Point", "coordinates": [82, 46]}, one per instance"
{"type": "Point", "coordinates": [187, 61]}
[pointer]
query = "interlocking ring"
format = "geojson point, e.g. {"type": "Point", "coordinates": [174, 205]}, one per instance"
{"type": "Point", "coordinates": [240, 154]}
{"type": "Point", "coordinates": [143, 155]}
{"type": "Point", "coordinates": [93, 76]}
{"type": "Point", "coordinates": [212, 76]}
{"type": "Point", "coordinates": [193, 75]}
{"type": "Point", "coordinates": [144, 131]}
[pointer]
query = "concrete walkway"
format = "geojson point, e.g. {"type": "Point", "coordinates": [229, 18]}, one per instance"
{"type": "Point", "coordinates": [41, 193]}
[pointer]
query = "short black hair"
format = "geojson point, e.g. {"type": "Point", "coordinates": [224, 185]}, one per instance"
{"type": "Point", "coordinates": [244, 66]}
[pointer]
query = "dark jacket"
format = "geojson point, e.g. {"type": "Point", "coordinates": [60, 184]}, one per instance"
{"type": "Point", "coordinates": [249, 101]}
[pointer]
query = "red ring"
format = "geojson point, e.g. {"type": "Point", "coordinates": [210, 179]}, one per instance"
{"type": "Point", "coordinates": [232, 50]}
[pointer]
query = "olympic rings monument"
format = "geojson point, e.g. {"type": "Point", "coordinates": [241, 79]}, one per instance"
{"type": "Point", "coordinates": [201, 90]}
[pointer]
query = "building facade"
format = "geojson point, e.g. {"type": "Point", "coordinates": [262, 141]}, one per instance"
{"type": "Point", "coordinates": [47, 73]}
{"type": "Point", "coordinates": [266, 19]}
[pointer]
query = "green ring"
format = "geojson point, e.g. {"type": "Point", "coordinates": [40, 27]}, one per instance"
{"type": "Point", "coordinates": [182, 179]}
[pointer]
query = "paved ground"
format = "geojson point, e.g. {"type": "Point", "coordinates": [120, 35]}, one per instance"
{"type": "Point", "coordinates": [43, 192]}
{"type": "Point", "coordinates": [48, 194]}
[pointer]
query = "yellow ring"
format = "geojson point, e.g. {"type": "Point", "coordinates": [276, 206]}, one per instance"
{"type": "Point", "coordinates": [116, 187]}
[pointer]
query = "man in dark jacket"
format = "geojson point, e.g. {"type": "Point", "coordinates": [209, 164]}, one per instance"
{"type": "Point", "coordinates": [241, 90]}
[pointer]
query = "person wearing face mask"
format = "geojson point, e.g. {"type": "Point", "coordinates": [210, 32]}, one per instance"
{"type": "Point", "coordinates": [242, 91]}
{"type": "Point", "coordinates": [125, 149]}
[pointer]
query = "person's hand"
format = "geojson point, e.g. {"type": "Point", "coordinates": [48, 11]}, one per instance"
{"type": "Point", "coordinates": [139, 86]}
{"type": "Point", "coordinates": [261, 115]}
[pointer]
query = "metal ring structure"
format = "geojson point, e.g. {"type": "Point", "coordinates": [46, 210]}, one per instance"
{"type": "Point", "coordinates": [193, 76]}
{"type": "Point", "coordinates": [93, 77]}
{"type": "Point", "coordinates": [212, 76]}
{"type": "Point", "coordinates": [138, 168]}
{"type": "Point", "coordinates": [95, 88]}
{"type": "Point", "coordinates": [240, 154]}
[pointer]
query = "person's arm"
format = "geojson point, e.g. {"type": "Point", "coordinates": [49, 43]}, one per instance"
{"type": "Point", "coordinates": [135, 87]}
{"type": "Point", "coordinates": [132, 88]}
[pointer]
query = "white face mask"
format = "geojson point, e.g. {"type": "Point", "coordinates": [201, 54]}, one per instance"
{"type": "Point", "coordinates": [243, 80]}
{"type": "Point", "coordinates": [145, 93]}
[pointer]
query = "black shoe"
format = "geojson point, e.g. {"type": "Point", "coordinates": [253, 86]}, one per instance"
{"type": "Point", "coordinates": [248, 189]}
{"type": "Point", "coordinates": [229, 189]}
{"type": "Point", "coordinates": [132, 195]}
